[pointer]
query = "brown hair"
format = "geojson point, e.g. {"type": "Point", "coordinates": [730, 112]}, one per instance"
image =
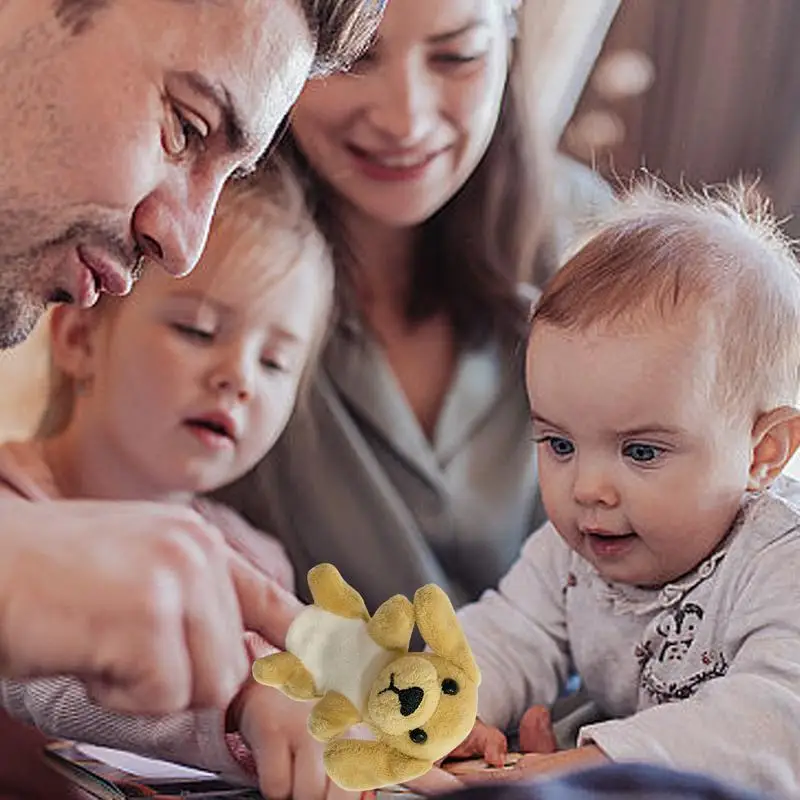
{"type": "Point", "coordinates": [719, 253]}
{"type": "Point", "coordinates": [340, 29]}
{"type": "Point", "coordinates": [271, 202]}
{"type": "Point", "coordinates": [475, 251]}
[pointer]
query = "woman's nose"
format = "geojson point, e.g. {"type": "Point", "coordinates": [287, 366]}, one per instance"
{"type": "Point", "coordinates": [404, 104]}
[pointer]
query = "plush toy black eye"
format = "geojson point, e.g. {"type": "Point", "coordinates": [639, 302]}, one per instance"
{"type": "Point", "coordinates": [449, 686]}
{"type": "Point", "coordinates": [418, 736]}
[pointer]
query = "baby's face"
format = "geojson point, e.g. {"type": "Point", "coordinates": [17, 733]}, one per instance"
{"type": "Point", "coordinates": [640, 473]}
{"type": "Point", "coordinates": [196, 378]}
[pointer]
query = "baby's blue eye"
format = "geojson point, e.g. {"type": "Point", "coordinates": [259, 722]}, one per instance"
{"type": "Point", "coordinates": [560, 446]}
{"type": "Point", "coordinates": [642, 453]}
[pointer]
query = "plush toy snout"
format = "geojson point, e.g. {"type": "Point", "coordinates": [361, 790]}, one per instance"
{"type": "Point", "coordinates": [405, 695]}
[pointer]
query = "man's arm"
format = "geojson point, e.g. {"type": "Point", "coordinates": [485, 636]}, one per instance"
{"type": "Point", "coordinates": [145, 603]}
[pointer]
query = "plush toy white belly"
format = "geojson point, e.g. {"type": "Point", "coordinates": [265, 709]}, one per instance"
{"type": "Point", "coordinates": [338, 652]}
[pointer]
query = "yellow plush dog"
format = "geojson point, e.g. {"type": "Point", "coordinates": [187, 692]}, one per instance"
{"type": "Point", "coordinates": [419, 706]}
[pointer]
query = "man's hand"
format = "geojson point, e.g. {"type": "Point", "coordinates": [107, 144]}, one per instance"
{"type": "Point", "coordinates": [288, 759]}
{"type": "Point", "coordinates": [146, 603]}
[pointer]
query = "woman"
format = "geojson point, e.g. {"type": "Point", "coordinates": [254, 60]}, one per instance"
{"type": "Point", "coordinates": [411, 461]}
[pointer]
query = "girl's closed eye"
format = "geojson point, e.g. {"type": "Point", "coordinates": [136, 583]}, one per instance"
{"type": "Point", "coordinates": [193, 332]}
{"type": "Point", "coordinates": [276, 363]}
{"type": "Point", "coordinates": [272, 365]}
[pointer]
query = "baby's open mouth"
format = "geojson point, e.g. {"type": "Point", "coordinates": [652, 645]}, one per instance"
{"type": "Point", "coordinates": [605, 544]}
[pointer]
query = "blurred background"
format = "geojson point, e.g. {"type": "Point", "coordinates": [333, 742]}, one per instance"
{"type": "Point", "coordinates": [694, 90]}
{"type": "Point", "coordinates": [697, 90]}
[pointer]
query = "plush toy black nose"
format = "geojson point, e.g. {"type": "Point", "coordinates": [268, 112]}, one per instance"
{"type": "Point", "coordinates": [410, 700]}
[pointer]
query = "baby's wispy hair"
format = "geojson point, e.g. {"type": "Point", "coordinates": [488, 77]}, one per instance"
{"type": "Point", "coordinates": [717, 256]}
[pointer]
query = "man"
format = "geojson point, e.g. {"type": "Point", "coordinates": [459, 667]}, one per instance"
{"type": "Point", "coordinates": [121, 120]}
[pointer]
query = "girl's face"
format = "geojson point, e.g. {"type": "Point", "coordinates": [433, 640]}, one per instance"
{"type": "Point", "coordinates": [400, 134]}
{"type": "Point", "coordinates": [192, 381]}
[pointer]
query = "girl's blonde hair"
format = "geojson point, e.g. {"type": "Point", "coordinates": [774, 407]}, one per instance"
{"type": "Point", "coordinates": [269, 203]}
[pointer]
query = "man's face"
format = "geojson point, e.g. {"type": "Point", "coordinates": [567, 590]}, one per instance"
{"type": "Point", "coordinates": [118, 139]}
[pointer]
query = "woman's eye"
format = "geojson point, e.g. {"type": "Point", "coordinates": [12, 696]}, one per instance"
{"type": "Point", "coordinates": [642, 453]}
{"type": "Point", "coordinates": [190, 332]}
{"type": "Point", "coordinates": [558, 445]}
{"type": "Point", "coordinates": [457, 58]}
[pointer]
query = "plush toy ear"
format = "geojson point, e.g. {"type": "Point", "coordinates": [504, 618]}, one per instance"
{"type": "Point", "coordinates": [440, 628]}
{"type": "Point", "coordinates": [358, 765]}
{"type": "Point", "coordinates": [331, 592]}
{"type": "Point", "coordinates": [393, 623]}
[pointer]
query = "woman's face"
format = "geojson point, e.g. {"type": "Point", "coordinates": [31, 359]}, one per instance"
{"type": "Point", "coordinates": [400, 134]}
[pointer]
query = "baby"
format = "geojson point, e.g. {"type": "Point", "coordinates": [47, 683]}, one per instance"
{"type": "Point", "coordinates": [169, 394]}
{"type": "Point", "coordinates": [663, 369]}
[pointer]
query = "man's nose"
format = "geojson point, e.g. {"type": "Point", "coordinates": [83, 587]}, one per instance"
{"type": "Point", "coordinates": [171, 224]}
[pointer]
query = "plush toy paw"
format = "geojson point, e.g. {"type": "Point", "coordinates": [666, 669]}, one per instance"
{"type": "Point", "coordinates": [286, 672]}
{"type": "Point", "coordinates": [332, 716]}
{"type": "Point", "coordinates": [358, 766]}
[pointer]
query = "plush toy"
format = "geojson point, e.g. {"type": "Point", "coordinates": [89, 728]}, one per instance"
{"type": "Point", "coordinates": [418, 706]}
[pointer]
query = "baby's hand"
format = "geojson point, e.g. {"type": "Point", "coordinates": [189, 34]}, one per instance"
{"type": "Point", "coordinates": [485, 741]}
{"type": "Point", "coordinates": [536, 731]}
{"type": "Point", "coordinates": [288, 759]}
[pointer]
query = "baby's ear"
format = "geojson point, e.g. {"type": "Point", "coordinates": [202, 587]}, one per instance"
{"type": "Point", "coordinates": [776, 437]}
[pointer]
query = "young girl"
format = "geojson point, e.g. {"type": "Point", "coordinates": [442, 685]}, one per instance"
{"type": "Point", "coordinates": [170, 393]}
{"type": "Point", "coordinates": [663, 371]}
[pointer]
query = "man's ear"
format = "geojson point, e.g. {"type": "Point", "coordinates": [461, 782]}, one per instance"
{"type": "Point", "coordinates": [776, 437]}
{"type": "Point", "coordinates": [72, 340]}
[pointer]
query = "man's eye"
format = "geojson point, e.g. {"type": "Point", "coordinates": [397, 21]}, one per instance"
{"type": "Point", "coordinates": [187, 134]}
